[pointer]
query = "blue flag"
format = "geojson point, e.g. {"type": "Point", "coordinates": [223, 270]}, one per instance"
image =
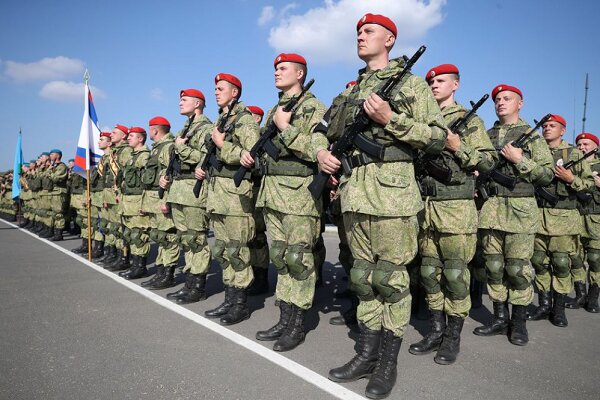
{"type": "Point", "coordinates": [16, 186]}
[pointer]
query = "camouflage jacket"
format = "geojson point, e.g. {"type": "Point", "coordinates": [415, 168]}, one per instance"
{"type": "Point", "coordinates": [591, 221]}
{"type": "Point", "coordinates": [118, 155]}
{"type": "Point", "coordinates": [284, 187]}
{"type": "Point", "coordinates": [155, 167]}
{"type": "Point", "coordinates": [387, 188]}
{"type": "Point", "coordinates": [58, 175]}
{"type": "Point", "coordinates": [131, 182]}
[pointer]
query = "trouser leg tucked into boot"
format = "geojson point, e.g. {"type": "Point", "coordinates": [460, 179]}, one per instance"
{"type": "Point", "coordinates": [189, 283]}
{"type": "Point", "coordinates": [139, 271]}
{"type": "Point", "coordinates": [57, 235]}
{"type": "Point", "coordinates": [239, 311]}
{"type": "Point", "coordinates": [158, 274]}
{"type": "Point", "coordinates": [450, 346]}
{"type": "Point", "coordinates": [196, 291]}
{"type": "Point", "coordinates": [122, 263]}
{"type": "Point", "coordinates": [384, 376]}
{"type": "Point", "coordinates": [166, 280]}
{"type": "Point", "coordinates": [580, 297]}
{"type": "Point", "coordinates": [224, 307]}
{"type": "Point", "coordinates": [363, 363]}
{"type": "Point", "coordinates": [558, 317]}
{"type": "Point", "coordinates": [294, 333]}
{"type": "Point", "coordinates": [543, 310]}
{"type": "Point", "coordinates": [433, 339]}
{"type": "Point", "coordinates": [274, 332]}
{"type": "Point", "coordinates": [518, 331]}
{"type": "Point", "coordinates": [98, 249]}
{"type": "Point", "coordinates": [499, 325]}
{"type": "Point", "coordinates": [110, 255]}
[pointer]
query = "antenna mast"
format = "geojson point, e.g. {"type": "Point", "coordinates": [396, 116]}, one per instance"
{"type": "Point", "coordinates": [584, 103]}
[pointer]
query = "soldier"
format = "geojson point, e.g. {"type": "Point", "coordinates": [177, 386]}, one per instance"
{"type": "Point", "coordinates": [381, 199]}
{"type": "Point", "coordinates": [106, 252]}
{"type": "Point", "coordinates": [55, 181]}
{"type": "Point", "coordinates": [291, 213]}
{"type": "Point", "coordinates": [135, 233]}
{"type": "Point", "coordinates": [27, 196]}
{"type": "Point", "coordinates": [188, 211]}
{"type": "Point", "coordinates": [259, 248]}
{"type": "Point", "coordinates": [120, 154]}
{"type": "Point", "coordinates": [510, 217]}
{"type": "Point", "coordinates": [162, 228]}
{"type": "Point", "coordinates": [448, 232]}
{"type": "Point", "coordinates": [36, 189]}
{"type": "Point", "coordinates": [230, 207]}
{"type": "Point", "coordinates": [590, 209]}
{"type": "Point", "coordinates": [44, 212]}
{"type": "Point", "coordinates": [77, 186]}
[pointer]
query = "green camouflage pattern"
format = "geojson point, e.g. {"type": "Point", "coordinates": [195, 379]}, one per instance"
{"type": "Point", "coordinates": [545, 277]}
{"type": "Point", "coordinates": [229, 228]}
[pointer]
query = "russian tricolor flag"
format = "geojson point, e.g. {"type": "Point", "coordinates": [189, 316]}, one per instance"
{"type": "Point", "coordinates": [88, 153]}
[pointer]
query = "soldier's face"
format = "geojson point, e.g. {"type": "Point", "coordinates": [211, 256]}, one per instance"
{"type": "Point", "coordinates": [586, 145]}
{"type": "Point", "coordinates": [372, 40]}
{"type": "Point", "coordinates": [258, 118]}
{"type": "Point", "coordinates": [117, 136]}
{"type": "Point", "coordinates": [552, 131]}
{"type": "Point", "coordinates": [507, 103]}
{"type": "Point", "coordinates": [443, 86]}
{"type": "Point", "coordinates": [187, 105]}
{"type": "Point", "coordinates": [43, 159]}
{"type": "Point", "coordinates": [104, 142]}
{"type": "Point", "coordinates": [133, 139]}
{"type": "Point", "coordinates": [53, 157]}
{"type": "Point", "coordinates": [287, 75]}
{"type": "Point", "coordinates": [224, 93]}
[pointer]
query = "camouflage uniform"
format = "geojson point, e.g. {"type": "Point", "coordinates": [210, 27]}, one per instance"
{"type": "Point", "coordinates": [381, 199]}
{"type": "Point", "coordinates": [77, 187]}
{"type": "Point", "coordinates": [55, 198]}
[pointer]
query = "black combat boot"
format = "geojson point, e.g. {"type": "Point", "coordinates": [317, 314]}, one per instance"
{"type": "Point", "coordinates": [294, 333]}
{"type": "Point", "coordinates": [28, 224]}
{"type": "Point", "coordinates": [261, 282]}
{"type": "Point", "coordinates": [123, 263]}
{"type": "Point", "coordinates": [98, 250]}
{"type": "Point", "coordinates": [36, 227]}
{"type": "Point", "coordinates": [558, 317]}
{"type": "Point", "coordinates": [46, 233]}
{"type": "Point", "coordinates": [349, 316]}
{"type": "Point", "coordinates": [476, 293]}
{"type": "Point", "coordinates": [196, 292]}
{"type": "Point", "coordinates": [110, 255]}
{"type": "Point", "coordinates": [239, 310]}
{"type": "Point", "coordinates": [580, 297]}
{"type": "Point", "coordinates": [592, 299]}
{"type": "Point", "coordinates": [224, 307]}
{"type": "Point", "coordinates": [57, 235]}
{"type": "Point", "coordinates": [167, 280]}
{"type": "Point", "coordinates": [158, 274]}
{"type": "Point", "coordinates": [433, 339]}
{"type": "Point", "coordinates": [383, 378]}
{"type": "Point", "coordinates": [83, 248]}
{"type": "Point", "coordinates": [518, 331]}
{"type": "Point", "coordinates": [274, 332]}
{"type": "Point", "coordinates": [363, 363]}
{"type": "Point", "coordinates": [189, 284]}
{"type": "Point", "coordinates": [140, 271]}
{"type": "Point", "coordinates": [450, 346]}
{"type": "Point", "coordinates": [543, 311]}
{"type": "Point", "coordinates": [499, 325]}
{"type": "Point", "coordinates": [133, 264]}
{"type": "Point", "coordinates": [24, 223]}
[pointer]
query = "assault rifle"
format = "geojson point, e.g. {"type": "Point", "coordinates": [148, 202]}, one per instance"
{"type": "Point", "coordinates": [174, 165]}
{"type": "Point", "coordinates": [352, 137]}
{"type": "Point", "coordinates": [265, 142]}
{"type": "Point", "coordinates": [210, 159]}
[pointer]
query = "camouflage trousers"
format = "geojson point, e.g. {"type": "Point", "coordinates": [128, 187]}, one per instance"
{"type": "Point", "coordinates": [192, 233]}
{"type": "Point", "coordinates": [114, 229]}
{"type": "Point", "coordinates": [232, 235]}
{"type": "Point", "coordinates": [293, 238]}
{"type": "Point", "coordinates": [509, 274]}
{"type": "Point", "coordinates": [382, 247]}
{"type": "Point", "coordinates": [592, 254]}
{"type": "Point", "coordinates": [96, 232]}
{"type": "Point", "coordinates": [444, 270]}
{"type": "Point", "coordinates": [477, 264]}
{"type": "Point", "coordinates": [55, 206]}
{"type": "Point", "coordinates": [259, 247]}
{"type": "Point", "coordinates": [136, 235]}
{"type": "Point", "coordinates": [553, 258]}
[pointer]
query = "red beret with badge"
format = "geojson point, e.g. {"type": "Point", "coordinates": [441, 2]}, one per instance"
{"type": "Point", "coordinates": [159, 121]}
{"type": "Point", "coordinates": [379, 20]}
{"type": "Point", "coordinates": [122, 128]}
{"type": "Point", "coordinates": [105, 134]}
{"type": "Point", "coordinates": [291, 57]}
{"type": "Point", "coordinates": [191, 93]}
{"type": "Point", "coordinates": [137, 129]}
{"type": "Point", "coordinates": [559, 119]}
{"type": "Point", "coordinates": [589, 136]}
{"type": "Point", "coordinates": [503, 88]}
{"type": "Point", "coordinates": [256, 110]}
{"type": "Point", "coordinates": [234, 80]}
{"type": "Point", "coordinates": [351, 83]}
{"type": "Point", "coordinates": [441, 70]}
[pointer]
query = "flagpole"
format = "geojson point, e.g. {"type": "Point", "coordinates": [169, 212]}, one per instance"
{"type": "Point", "coordinates": [86, 77]}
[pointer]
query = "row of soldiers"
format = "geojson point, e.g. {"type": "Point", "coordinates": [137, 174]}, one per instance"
{"type": "Point", "coordinates": [411, 207]}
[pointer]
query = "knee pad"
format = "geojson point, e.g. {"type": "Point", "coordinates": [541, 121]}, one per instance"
{"type": "Point", "coordinates": [494, 265]}
{"type": "Point", "coordinates": [189, 241]}
{"type": "Point", "coordinates": [576, 261]}
{"type": "Point", "coordinates": [359, 280]}
{"type": "Point", "coordinates": [537, 261]}
{"type": "Point", "coordinates": [161, 238]}
{"type": "Point", "coordinates": [217, 251]}
{"type": "Point", "coordinates": [593, 259]}
{"type": "Point", "coordinates": [428, 271]}
{"type": "Point", "coordinates": [137, 237]}
{"type": "Point", "coordinates": [277, 254]}
{"type": "Point", "coordinates": [381, 277]}
{"type": "Point", "coordinates": [103, 225]}
{"type": "Point", "coordinates": [171, 239]}
{"type": "Point", "coordinates": [127, 235]}
{"type": "Point", "coordinates": [457, 287]}
{"type": "Point", "coordinates": [153, 235]}
{"type": "Point", "coordinates": [561, 264]}
{"type": "Point", "coordinates": [233, 249]}
{"type": "Point", "coordinates": [295, 257]}
{"type": "Point", "coordinates": [515, 270]}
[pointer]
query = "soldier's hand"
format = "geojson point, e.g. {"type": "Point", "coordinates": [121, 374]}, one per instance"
{"type": "Point", "coordinates": [163, 182]}
{"type": "Point", "coordinates": [332, 182]}
{"type": "Point", "coordinates": [105, 205]}
{"type": "Point", "coordinates": [217, 137]}
{"type": "Point", "coordinates": [180, 140]}
{"type": "Point", "coordinates": [564, 174]}
{"type": "Point", "coordinates": [164, 208]}
{"type": "Point", "coordinates": [377, 109]}
{"type": "Point", "coordinates": [452, 142]}
{"type": "Point", "coordinates": [282, 118]}
{"type": "Point", "coordinates": [597, 181]}
{"type": "Point", "coordinates": [246, 159]}
{"type": "Point", "coordinates": [512, 153]}
{"type": "Point", "coordinates": [199, 174]}
{"type": "Point", "coordinates": [327, 162]}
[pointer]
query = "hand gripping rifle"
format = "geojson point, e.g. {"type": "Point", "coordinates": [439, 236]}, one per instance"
{"type": "Point", "coordinates": [210, 159]}
{"type": "Point", "coordinates": [352, 135]}
{"type": "Point", "coordinates": [265, 142]}
{"type": "Point", "coordinates": [173, 161]}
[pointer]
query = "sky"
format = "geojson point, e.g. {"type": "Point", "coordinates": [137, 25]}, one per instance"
{"type": "Point", "coordinates": [140, 54]}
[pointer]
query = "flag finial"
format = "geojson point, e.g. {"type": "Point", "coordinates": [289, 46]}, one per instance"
{"type": "Point", "coordinates": [86, 76]}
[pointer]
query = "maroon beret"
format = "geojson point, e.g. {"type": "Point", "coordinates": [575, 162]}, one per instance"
{"type": "Point", "coordinates": [105, 134]}
{"type": "Point", "coordinates": [291, 57]}
{"type": "Point", "coordinates": [590, 136]}
{"type": "Point", "coordinates": [229, 78]}
{"type": "Point", "coordinates": [351, 83]}
{"type": "Point", "coordinates": [256, 110]}
{"type": "Point", "coordinates": [379, 20]}
{"type": "Point", "coordinates": [137, 129]}
{"type": "Point", "coordinates": [559, 119]}
{"type": "Point", "coordinates": [441, 70]}
{"type": "Point", "coordinates": [191, 93]}
{"type": "Point", "coordinates": [159, 121]}
{"type": "Point", "coordinates": [122, 128]}
{"type": "Point", "coordinates": [502, 88]}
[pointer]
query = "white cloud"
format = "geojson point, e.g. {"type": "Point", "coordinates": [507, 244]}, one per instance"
{"type": "Point", "coordinates": [327, 34]}
{"type": "Point", "coordinates": [45, 69]}
{"type": "Point", "coordinates": [266, 15]}
{"type": "Point", "coordinates": [156, 94]}
{"type": "Point", "coordinates": [68, 91]}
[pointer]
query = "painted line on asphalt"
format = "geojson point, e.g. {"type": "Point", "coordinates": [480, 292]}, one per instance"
{"type": "Point", "coordinates": [295, 368]}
